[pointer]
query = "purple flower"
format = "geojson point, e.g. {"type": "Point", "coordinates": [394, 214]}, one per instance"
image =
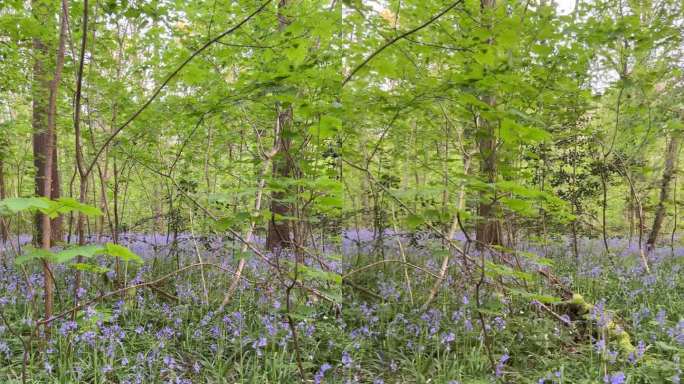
{"type": "Point", "coordinates": [346, 359]}
{"type": "Point", "coordinates": [67, 327]}
{"type": "Point", "coordinates": [500, 365]}
{"type": "Point", "coordinates": [616, 378]}
{"type": "Point", "coordinates": [500, 323]}
{"type": "Point", "coordinates": [318, 377]}
{"type": "Point", "coordinates": [448, 338]}
{"type": "Point", "coordinates": [661, 317]}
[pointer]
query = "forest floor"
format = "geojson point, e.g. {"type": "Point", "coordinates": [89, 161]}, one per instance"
{"type": "Point", "coordinates": [369, 329]}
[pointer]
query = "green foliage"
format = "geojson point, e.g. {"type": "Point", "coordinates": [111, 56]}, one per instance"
{"type": "Point", "coordinates": [87, 251]}
{"type": "Point", "coordinates": [14, 205]}
{"type": "Point", "coordinates": [121, 252]}
{"type": "Point", "coordinates": [52, 208]}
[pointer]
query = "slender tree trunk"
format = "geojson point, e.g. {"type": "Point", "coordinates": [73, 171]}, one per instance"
{"type": "Point", "coordinates": [668, 173]}
{"type": "Point", "coordinates": [4, 231]}
{"type": "Point", "coordinates": [83, 174]}
{"type": "Point", "coordinates": [488, 229]}
{"type": "Point", "coordinates": [43, 137]}
{"type": "Point", "coordinates": [45, 143]}
{"type": "Point", "coordinates": [279, 230]}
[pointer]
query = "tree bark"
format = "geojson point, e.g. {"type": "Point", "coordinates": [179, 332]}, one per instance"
{"type": "Point", "coordinates": [4, 231]}
{"type": "Point", "coordinates": [42, 87]}
{"type": "Point", "coordinates": [668, 173]}
{"type": "Point", "coordinates": [280, 231]}
{"type": "Point", "coordinates": [44, 134]}
{"type": "Point", "coordinates": [488, 230]}
{"type": "Point", "coordinates": [82, 174]}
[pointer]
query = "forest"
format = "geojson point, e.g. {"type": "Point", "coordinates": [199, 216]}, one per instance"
{"type": "Point", "coordinates": [341, 191]}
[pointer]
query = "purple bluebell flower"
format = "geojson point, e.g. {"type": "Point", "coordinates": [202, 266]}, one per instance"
{"type": "Point", "coordinates": [346, 359]}
{"type": "Point", "coordinates": [615, 378]}
{"type": "Point", "coordinates": [318, 377]}
{"type": "Point", "coordinates": [500, 365]}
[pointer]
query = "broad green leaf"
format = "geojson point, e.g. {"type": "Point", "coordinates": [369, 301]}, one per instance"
{"type": "Point", "coordinates": [121, 252]}
{"type": "Point", "coordinates": [68, 204]}
{"type": "Point", "coordinates": [30, 253]}
{"type": "Point", "coordinates": [414, 221]}
{"type": "Point", "coordinates": [86, 251]}
{"type": "Point", "coordinates": [89, 268]}
{"type": "Point", "coordinates": [327, 127]}
{"type": "Point", "coordinates": [14, 205]}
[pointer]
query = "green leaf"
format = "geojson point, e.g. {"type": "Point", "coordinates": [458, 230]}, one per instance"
{"type": "Point", "coordinates": [86, 251]}
{"type": "Point", "coordinates": [414, 221]}
{"type": "Point", "coordinates": [89, 268]}
{"type": "Point", "coordinates": [515, 133]}
{"type": "Point", "coordinates": [31, 253]}
{"type": "Point", "coordinates": [121, 252]}
{"type": "Point", "coordinates": [319, 275]}
{"type": "Point", "coordinates": [535, 296]}
{"type": "Point", "coordinates": [328, 127]}
{"type": "Point", "coordinates": [68, 204]}
{"type": "Point", "coordinates": [14, 205]}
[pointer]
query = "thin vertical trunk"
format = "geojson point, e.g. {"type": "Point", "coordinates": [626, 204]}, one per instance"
{"type": "Point", "coordinates": [83, 174]}
{"type": "Point", "coordinates": [4, 231]}
{"type": "Point", "coordinates": [279, 230]}
{"type": "Point", "coordinates": [46, 142]}
{"type": "Point", "coordinates": [488, 229]}
{"type": "Point", "coordinates": [668, 173]}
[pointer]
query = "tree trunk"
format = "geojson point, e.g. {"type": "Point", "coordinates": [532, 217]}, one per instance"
{"type": "Point", "coordinates": [280, 231]}
{"type": "Point", "coordinates": [488, 229]}
{"type": "Point", "coordinates": [44, 134]}
{"type": "Point", "coordinates": [42, 140]}
{"type": "Point", "coordinates": [668, 173]}
{"type": "Point", "coordinates": [4, 231]}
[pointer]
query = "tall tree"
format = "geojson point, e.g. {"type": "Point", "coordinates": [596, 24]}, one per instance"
{"type": "Point", "coordinates": [4, 231]}
{"type": "Point", "coordinates": [43, 136]}
{"type": "Point", "coordinates": [488, 225]}
{"type": "Point", "coordinates": [280, 233]}
{"type": "Point", "coordinates": [668, 174]}
{"type": "Point", "coordinates": [44, 130]}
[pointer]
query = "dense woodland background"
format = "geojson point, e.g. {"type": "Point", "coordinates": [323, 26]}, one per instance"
{"type": "Point", "coordinates": [341, 191]}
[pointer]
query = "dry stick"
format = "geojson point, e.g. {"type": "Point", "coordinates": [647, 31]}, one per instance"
{"type": "Point", "coordinates": [199, 259]}
{"type": "Point", "coordinates": [454, 225]}
{"type": "Point", "coordinates": [403, 257]}
{"type": "Point", "coordinates": [170, 77]}
{"type": "Point", "coordinates": [640, 211]}
{"type": "Point", "coordinates": [444, 267]}
{"type": "Point", "coordinates": [395, 39]}
{"type": "Point", "coordinates": [257, 207]}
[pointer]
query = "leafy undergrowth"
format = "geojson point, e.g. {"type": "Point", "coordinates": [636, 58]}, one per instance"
{"type": "Point", "coordinates": [167, 334]}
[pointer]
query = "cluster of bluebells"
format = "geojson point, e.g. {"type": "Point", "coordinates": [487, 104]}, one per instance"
{"type": "Point", "coordinates": [144, 338]}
